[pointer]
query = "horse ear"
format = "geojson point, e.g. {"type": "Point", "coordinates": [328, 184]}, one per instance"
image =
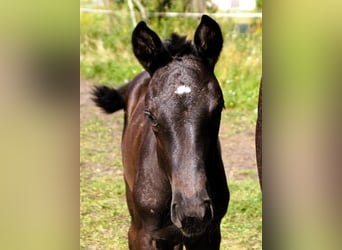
{"type": "Point", "coordinates": [148, 48]}
{"type": "Point", "coordinates": [208, 40]}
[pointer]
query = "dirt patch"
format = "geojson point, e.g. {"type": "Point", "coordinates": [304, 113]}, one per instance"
{"type": "Point", "coordinates": [238, 150]}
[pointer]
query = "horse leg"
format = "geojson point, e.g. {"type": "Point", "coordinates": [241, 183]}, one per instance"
{"type": "Point", "coordinates": [142, 240]}
{"type": "Point", "coordinates": [258, 136]}
{"type": "Point", "coordinates": [132, 236]}
{"type": "Point", "coordinates": [139, 240]}
{"type": "Point", "coordinates": [163, 245]}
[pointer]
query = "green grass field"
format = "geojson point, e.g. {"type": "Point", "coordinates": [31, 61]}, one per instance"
{"type": "Point", "coordinates": [104, 216]}
{"type": "Point", "coordinates": [106, 57]}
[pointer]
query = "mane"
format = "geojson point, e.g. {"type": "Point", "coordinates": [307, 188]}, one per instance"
{"type": "Point", "coordinates": [178, 46]}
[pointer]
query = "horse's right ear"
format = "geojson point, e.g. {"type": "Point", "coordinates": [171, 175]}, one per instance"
{"type": "Point", "coordinates": [148, 48]}
{"type": "Point", "coordinates": [208, 40]}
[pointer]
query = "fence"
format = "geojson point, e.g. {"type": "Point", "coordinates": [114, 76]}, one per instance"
{"type": "Point", "coordinates": [242, 26]}
{"type": "Point", "coordinates": [184, 14]}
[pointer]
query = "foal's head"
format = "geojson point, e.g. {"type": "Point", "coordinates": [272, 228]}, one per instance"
{"type": "Point", "coordinates": [183, 104]}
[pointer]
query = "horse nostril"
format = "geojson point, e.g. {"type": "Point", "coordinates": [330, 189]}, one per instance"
{"type": "Point", "coordinates": [207, 203]}
{"type": "Point", "coordinates": [208, 211]}
{"type": "Point", "coordinates": [174, 205]}
{"type": "Point", "coordinates": [174, 215]}
{"type": "Point", "coordinates": [191, 215]}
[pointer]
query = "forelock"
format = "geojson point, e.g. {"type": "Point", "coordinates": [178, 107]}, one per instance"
{"type": "Point", "coordinates": [178, 46]}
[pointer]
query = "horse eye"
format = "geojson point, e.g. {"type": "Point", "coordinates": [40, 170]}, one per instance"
{"type": "Point", "coordinates": [151, 118]}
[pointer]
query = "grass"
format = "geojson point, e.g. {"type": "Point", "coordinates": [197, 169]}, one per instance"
{"type": "Point", "coordinates": [105, 218]}
{"type": "Point", "coordinates": [104, 214]}
{"type": "Point", "coordinates": [106, 57]}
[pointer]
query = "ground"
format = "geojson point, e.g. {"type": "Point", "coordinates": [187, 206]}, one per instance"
{"type": "Point", "coordinates": [238, 147]}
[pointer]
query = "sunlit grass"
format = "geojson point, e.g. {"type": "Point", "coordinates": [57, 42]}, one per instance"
{"type": "Point", "coordinates": [105, 218]}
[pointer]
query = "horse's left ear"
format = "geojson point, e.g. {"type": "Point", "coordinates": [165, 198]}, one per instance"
{"type": "Point", "coordinates": [148, 48]}
{"type": "Point", "coordinates": [208, 40]}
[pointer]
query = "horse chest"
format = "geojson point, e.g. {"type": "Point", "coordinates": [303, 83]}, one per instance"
{"type": "Point", "coordinates": [152, 195]}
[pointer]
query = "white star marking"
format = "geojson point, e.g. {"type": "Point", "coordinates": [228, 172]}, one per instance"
{"type": "Point", "coordinates": [183, 90]}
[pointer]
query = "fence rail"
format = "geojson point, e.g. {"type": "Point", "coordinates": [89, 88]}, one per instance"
{"type": "Point", "coordinates": [176, 14]}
